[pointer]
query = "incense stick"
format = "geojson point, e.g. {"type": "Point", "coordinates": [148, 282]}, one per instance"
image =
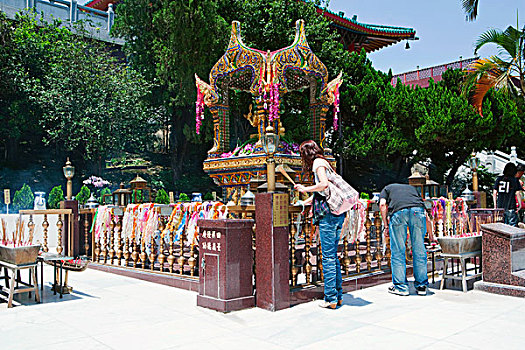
{"type": "Point", "coordinates": [280, 168]}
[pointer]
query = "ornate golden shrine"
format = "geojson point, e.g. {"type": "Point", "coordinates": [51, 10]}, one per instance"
{"type": "Point", "coordinates": [267, 76]}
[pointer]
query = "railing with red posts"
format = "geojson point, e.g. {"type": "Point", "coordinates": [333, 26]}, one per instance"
{"type": "Point", "coordinates": [421, 77]}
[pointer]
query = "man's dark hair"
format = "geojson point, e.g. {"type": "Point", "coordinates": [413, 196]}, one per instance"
{"type": "Point", "coordinates": [520, 167]}
{"type": "Point", "coordinates": [509, 170]}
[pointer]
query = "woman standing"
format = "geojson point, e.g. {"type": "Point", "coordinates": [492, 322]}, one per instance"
{"type": "Point", "coordinates": [330, 225]}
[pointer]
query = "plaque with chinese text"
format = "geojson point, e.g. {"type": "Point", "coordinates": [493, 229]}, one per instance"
{"type": "Point", "coordinates": [280, 210]}
{"type": "Point", "coordinates": [7, 196]}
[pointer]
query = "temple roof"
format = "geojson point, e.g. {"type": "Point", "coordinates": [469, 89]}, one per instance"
{"type": "Point", "coordinates": [356, 35]}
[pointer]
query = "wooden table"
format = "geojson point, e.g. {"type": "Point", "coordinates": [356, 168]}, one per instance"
{"type": "Point", "coordinates": [10, 285]}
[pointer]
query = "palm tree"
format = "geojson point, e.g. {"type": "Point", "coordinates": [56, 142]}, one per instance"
{"type": "Point", "coordinates": [471, 9]}
{"type": "Point", "coordinates": [506, 71]}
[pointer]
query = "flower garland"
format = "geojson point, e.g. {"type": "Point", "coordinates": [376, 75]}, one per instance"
{"type": "Point", "coordinates": [274, 102]}
{"type": "Point", "coordinates": [199, 115]}
{"type": "Point", "coordinates": [249, 148]}
{"type": "Point", "coordinates": [336, 106]}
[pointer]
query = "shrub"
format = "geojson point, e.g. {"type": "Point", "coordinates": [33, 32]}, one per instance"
{"type": "Point", "coordinates": [208, 196]}
{"type": "Point", "coordinates": [364, 195]}
{"type": "Point", "coordinates": [183, 197]}
{"type": "Point", "coordinates": [136, 196]}
{"type": "Point", "coordinates": [102, 193]}
{"type": "Point", "coordinates": [83, 195]}
{"type": "Point", "coordinates": [162, 197]}
{"type": "Point", "coordinates": [23, 199]}
{"type": "Point", "coordinates": [55, 197]}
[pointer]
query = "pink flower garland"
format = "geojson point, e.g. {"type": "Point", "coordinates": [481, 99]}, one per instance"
{"type": "Point", "coordinates": [199, 111]}
{"type": "Point", "coordinates": [274, 102]}
{"type": "Point", "coordinates": [336, 106]}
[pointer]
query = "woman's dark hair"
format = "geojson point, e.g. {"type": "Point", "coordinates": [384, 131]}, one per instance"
{"type": "Point", "coordinates": [510, 170]}
{"type": "Point", "coordinates": [309, 152]}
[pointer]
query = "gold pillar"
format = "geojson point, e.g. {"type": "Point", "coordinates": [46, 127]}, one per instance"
{"type": "Point", "coordinates": [69, 191]}
{"type": "Point", "coordinates": [474, 181]}
{"type": "Point", "coordinates": [270, 173]}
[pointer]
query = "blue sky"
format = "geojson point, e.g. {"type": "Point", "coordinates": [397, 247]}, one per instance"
{"type": "Point", "coordinates": [443, 32]}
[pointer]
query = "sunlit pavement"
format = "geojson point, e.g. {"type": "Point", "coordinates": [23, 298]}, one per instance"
{"type": "Point", "coordinates": [107, 311]}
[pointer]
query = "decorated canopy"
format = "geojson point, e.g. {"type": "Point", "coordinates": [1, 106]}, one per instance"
{"type": "Point", "coordinates": [267, 76]}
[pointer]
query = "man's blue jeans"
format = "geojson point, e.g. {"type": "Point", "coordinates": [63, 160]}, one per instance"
{"type": "Point", "coordinates": [329, 231]}
{"type": "Point", "coordinates": [510, 217]}
{"type": "Point", "coordinates": [414, 219]}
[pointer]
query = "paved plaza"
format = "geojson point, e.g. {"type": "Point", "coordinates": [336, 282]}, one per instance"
{"type": "Point", "coordinates": [107, 311]}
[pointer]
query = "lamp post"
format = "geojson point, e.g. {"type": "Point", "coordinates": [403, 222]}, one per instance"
{"type": "Point", "coordinates": [474, 165]}
{"type": "Point", "coordinates": [69, 172]}
{"type": "Point", "coordinates": [270, 141]}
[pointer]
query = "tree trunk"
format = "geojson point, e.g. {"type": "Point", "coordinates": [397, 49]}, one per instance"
{"type": "Point", "coordinates": [452, 173]}
{"type": "Point", "coordinates": [11, 149]}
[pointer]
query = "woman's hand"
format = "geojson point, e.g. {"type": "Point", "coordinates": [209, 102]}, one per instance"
{"type": "Point", "coordinates": [300, 188]}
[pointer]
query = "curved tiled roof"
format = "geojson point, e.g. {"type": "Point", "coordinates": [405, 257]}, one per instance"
{"type": "Point", "coordinates": [354, 25]}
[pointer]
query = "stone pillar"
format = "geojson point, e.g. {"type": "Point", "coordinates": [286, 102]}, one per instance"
{"type": "Point", "coordinates": [272, 266]}
{"type": "Point", "coordinates": [73, 11]}
{"type": "Point", "coordinates": [71, 241]}
{"type": "Point", "coordinates": [111, 17]}
{"type": "Point", "coordinates": [503, 250]}
{"type": "Point", "coordinates": [225, 265]}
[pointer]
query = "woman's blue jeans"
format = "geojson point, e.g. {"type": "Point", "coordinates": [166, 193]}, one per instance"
{"type": "Point", "coordinates": [329, 231]}
{"type": "Point", "coordinates": [414, 220]}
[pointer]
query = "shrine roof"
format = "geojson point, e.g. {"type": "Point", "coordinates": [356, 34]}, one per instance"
{"type": "Point", "coordinates": [353, 25]}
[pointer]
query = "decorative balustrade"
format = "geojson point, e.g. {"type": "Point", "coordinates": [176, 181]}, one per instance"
{"type": "Point", "coordinates": [357, 255]}
{"type": "Point", "coordinates": [164, 251]}
{"type": "Point", "coordinates": [63, 238]}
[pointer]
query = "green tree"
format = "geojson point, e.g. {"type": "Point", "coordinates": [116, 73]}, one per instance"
{"type": "Point", "coordinates": [83, 195]}
{"type": "Point", "coordinates": [23, 56]}
{"type": "Point", "coordinates": [170, 41]}
{"type": "Point", "coordinates": [70, 90]}
{"type": "Point", "coordinates": [162, 197]}
{"type": "Point", "coordinates": [23, 198]}
{"type": "Point", "coordinates": [103, 192]}
{"type": "Point", "coordinates": [55, 197]}
{"type": "Point", "coordinates": [392, 127]}
{"type": "Point", "coordinates": [471, 9]}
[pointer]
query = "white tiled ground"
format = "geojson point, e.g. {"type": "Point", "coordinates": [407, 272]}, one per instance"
{"type": "Point", "coordinates": [107, 311]}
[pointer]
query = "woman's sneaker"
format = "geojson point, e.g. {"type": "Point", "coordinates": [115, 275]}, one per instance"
{"type": "Point", "coordinates": [393, 290]}
{"type": "Point", "coordinates": [421, 290]}
{"type": "Point", "coordinates": [327, 305]}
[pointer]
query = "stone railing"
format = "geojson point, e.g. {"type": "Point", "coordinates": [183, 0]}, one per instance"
{"type": "Point", "coordinates": [97, 23]}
